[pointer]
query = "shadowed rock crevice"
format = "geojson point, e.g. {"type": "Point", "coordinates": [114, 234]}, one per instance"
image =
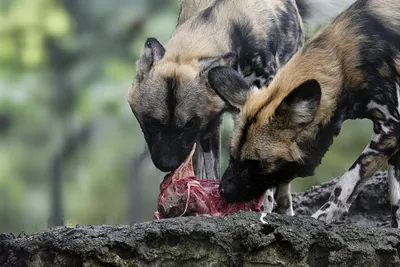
{"type": "Point", "coordinates": [234, 240]}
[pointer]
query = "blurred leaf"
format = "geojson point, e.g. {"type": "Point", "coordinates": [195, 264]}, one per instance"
{"type": "Point", "coordinates": [118, 69]}
{"type": "Point", "coordinates": [57, 23]}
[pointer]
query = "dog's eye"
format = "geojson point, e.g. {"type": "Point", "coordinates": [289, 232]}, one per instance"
{"type": "Point", "coordinates": [279, 162]}
{"type": "Point", "coordinates": [254, 166]}
{"type": "Point", "coordinates": [192, 124]}
{"type": "Point", "coordinates": [253, 163]}
{"type": "Point", "coordinates": [152, 123]}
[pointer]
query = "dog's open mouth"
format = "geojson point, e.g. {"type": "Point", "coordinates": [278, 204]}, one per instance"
{"type": "Point", "coordinates": [183, 194]}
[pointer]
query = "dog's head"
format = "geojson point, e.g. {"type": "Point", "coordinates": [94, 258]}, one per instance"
{"type": "Point", "coordinates": [267, 146]}
{"type": "Point", "coordinates": [173, 102]}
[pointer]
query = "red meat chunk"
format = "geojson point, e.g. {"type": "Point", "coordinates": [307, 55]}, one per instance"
{"type": "Point", "coordinates": [183, 194]}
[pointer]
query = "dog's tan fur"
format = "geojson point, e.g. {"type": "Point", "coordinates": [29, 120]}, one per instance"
{"type": "Point", "coordinates": [188, 8]}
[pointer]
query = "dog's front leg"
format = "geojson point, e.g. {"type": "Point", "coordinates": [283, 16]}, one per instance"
{"type": "Point", "coordinates": [211, 147]}
{"type": "Point", "coordinates": [284, 203]}
{"type": "Point", "coordinates": [382, 146]}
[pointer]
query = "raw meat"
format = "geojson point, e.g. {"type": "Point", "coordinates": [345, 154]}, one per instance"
{"type": "Point", "coordinates": [183, 194]}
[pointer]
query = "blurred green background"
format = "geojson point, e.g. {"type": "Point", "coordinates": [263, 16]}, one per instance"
{"type": "Point", "coordinates": [71, 151]}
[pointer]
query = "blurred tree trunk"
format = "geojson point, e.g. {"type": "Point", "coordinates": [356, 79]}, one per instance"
{"type": "Point", "coordinates": [62, 103]}
{"type": "Point", "coordinates": [57, 213]}
{"type": "Point", "coordinates": [138, 170]}
{"type": "Point", "coordinates": [71, 145]}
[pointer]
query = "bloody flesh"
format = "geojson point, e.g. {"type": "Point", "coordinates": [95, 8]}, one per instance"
{"type": "Point", "coordinates": [183, 194]}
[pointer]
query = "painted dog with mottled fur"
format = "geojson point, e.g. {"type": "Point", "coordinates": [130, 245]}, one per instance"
{"type": "Point", "coordinates": [349, 70]}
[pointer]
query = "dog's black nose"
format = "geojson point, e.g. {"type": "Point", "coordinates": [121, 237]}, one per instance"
{"type": "Point", "coordinates": [166, 164]}
{"type": "Point", "coordinates": [227, 191]}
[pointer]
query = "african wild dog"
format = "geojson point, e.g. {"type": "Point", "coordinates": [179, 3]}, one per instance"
{"type": "Point", "coordinates": [171, 97]}
{"type": "Point", "coordinates": [348, 70]}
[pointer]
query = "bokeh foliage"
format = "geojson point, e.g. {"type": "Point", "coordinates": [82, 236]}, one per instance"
{"type": "Point", "coordinates": [65, 67]}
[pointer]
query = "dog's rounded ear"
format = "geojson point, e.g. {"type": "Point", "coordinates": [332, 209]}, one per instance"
{"type": "Point", "coordinates": [229, 85]}
{"type": "Point", "coordinates": [302, 103]}
{"type": "Point", "coordinates": [153, 51]}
